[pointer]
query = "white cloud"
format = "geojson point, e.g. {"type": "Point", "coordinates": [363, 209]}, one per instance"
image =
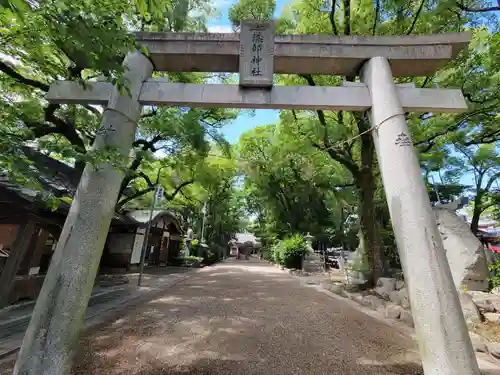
{"type": "Point", "coordinates": [220, 29]}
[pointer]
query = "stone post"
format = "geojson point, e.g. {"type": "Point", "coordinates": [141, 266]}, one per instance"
{"type": "Point", "coordinates": [443, 340]}
{"type": "Point", "coordinates": [57, 319]}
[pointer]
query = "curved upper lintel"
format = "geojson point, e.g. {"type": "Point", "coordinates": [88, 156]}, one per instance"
{"type": "Point", "coordinates": [420, 55]}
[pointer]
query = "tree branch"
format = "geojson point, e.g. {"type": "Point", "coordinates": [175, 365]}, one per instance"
{"type": "Point", "coordinates": [484, 138]}
{"type": "Point", "coordinates": [151, 188]}
{"type": "Point", "coordinates": [349, 164]}
{"type": "Point", "coordinates": [321, 113]}
{"type": "Point", "coordinates": [66, 129]}
{"type": "Point", "coordinates": [477, 10]}
{"type": "Point", "coordinates": [491, 180]}
{"type": "Point", "coordinates": [146, 178]}
{"type": "Point", "coordinates": [426, 81]}
{"type": "Point", "coordinates": [11, 72]}
{"type": "Point", "coordinates": [419, 10]}
{"type": "Point", "coordinates": [347, 17]}
{"type": "Point", "coordinates": [137, 194]}
{"type": "Point", "coordinates": [344, 185]}
{"type": "Point", "coordinates": [377, 11]}
{"type": "Point", "coordinates": [332, 18]}
{"type": "Point", "coordinates": [148, 145]}
{"type": "Point", "coordinates": [169, 197]}
{"type": "Point", "coordinates": [468, 96]}
{"type": "Point", "coordinates": [430, 140]}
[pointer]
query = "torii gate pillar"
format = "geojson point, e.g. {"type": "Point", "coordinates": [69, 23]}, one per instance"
{"type": "Point", "coordinates": [444, 342]}
{"type": "Point", "coordinates": [57, 319]}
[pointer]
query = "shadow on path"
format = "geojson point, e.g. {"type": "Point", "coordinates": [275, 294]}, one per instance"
{"type": "Point", "coordinates": [244, 318]}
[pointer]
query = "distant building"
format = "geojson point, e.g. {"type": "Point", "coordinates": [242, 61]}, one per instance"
{"type": "Point", "coordinates": [244, 244]}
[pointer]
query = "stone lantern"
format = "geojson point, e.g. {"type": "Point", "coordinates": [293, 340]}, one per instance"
{"type": "Point", "coordinates": [309, 240]}
{"type": "Point", "coordinates": [312, 263]}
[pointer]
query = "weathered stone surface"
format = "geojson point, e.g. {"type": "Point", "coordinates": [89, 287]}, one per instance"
{"type": "Point", "coordinates": [406, 317]}
{"type": "Point", "coordinates": [479, 343]}
{"type": "Point", "coordinates": [494, 349]}
{"type": "Point", "coordinates": [492, 317]}
{"type": "Point", "coordinates": [372, 302]}
{"type": "Point", "coordinates": [469, 308]}
{"type": "Point", "coordinates": [485, 301]}
{"type": "Point", "coordinates": [400, 284]}
{"type": "Point", "coordinates": [496, 305]}
{"type": "Point", "coordinates": [357, 298]}
{"type": "Point", "coordinates": [393, 311]}
{"type": "Point", "coordinates": [464, 252]}
{"type": "Point", "coordinates": [380, 309]}
{"type": "Point", "coordinates": [256, 53]}
{"type": "Point", "coordinates": [384, 286]}
{"type": "Point", "coordinates": [394, 297]}
{"type": "Point", "coordinates": [403, 298]}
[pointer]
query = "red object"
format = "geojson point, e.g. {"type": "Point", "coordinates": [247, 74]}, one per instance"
{"type": "Point", "coordinates": [496, 249]}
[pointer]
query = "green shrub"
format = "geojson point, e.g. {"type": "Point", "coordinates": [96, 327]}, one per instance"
{"type": "Point", "coordinates": [289, 252]}
{"type": "Point", "coordinates": [293, 250]}
{"type": "Point", "coordinates": [494, 278]}
{"type": "Point", "coordinates": [276, 253]}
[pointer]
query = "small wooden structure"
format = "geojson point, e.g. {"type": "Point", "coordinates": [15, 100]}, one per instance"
{"type": "Point", "coordinates": [30, 229]}
{"type": "Point", "coordinates": [126, 239]}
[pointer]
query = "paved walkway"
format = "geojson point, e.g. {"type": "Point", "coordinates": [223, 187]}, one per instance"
{"type": "Point", "coordinates": [14, 319]}
{"type": "Point", "coordinates": [244, 317]}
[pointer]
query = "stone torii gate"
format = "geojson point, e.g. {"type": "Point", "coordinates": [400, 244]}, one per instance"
{"type": "Point", "coordinates": [256, 53]}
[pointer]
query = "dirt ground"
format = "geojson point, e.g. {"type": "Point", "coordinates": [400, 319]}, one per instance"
{"type": "Point", "coordinates": [243, 317]}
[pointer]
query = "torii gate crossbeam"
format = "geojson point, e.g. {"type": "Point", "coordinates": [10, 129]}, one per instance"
{"type": "Point", "coordinates": [159, 92]}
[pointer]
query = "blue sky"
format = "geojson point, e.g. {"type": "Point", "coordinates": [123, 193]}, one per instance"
{"type": "Point", "coordinates": [244, 122]}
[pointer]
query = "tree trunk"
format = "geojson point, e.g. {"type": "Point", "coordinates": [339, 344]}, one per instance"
{"type": "Point", "coordinates": [373, 251]}
{"type": "Point", "coordinates": [476, 213]}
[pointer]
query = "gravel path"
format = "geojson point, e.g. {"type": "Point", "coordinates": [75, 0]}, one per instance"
{"type": "Point", "coordinates": [244, 318]}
